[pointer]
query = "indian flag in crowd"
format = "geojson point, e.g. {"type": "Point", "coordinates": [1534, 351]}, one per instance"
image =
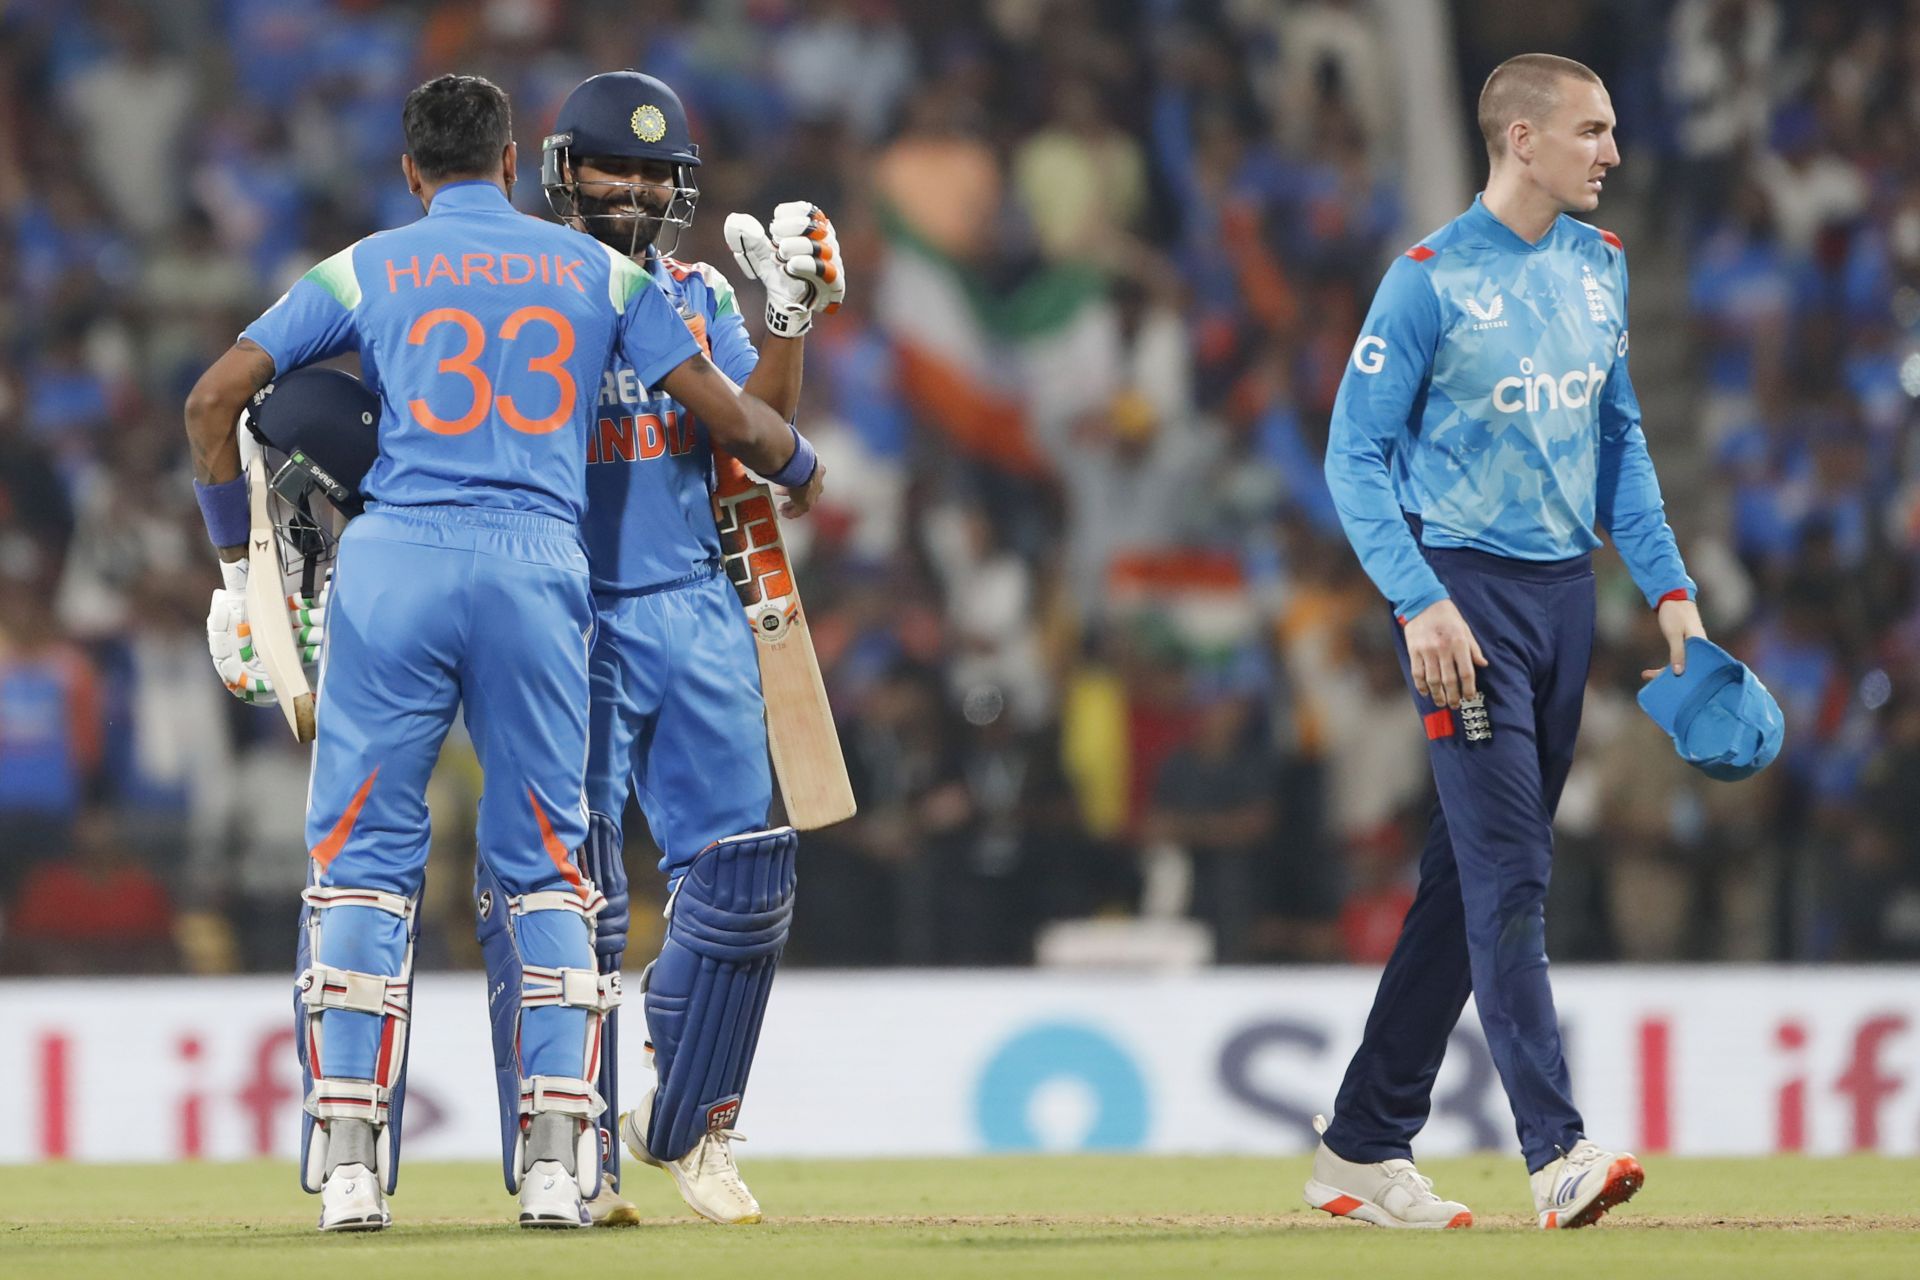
{"type": "Point", "coordinates": [1002, 372]}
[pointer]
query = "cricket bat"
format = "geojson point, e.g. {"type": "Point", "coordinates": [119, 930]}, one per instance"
{"type": "Point", "coordinates": [800, 732]}
{"type": "Point", "coordinates": [267, 615]}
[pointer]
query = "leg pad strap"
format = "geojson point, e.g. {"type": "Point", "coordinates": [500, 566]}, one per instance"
{"type": "Point", "coordinates": [321, 987]}
{"type": "Point", "coordinates": [349, 1100]}
{"type": "Point", "coordinates": [558, 1093]}
{"type": "Point", "coordinates": [579, 988]}
{"type": "Point", "coordinates": [324, 987]}
{"type": "Point", "coordinates": [519, 982]}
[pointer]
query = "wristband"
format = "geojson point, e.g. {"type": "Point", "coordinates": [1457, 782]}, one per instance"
{"type": "Point", "coordinates": [799, 468]}
{"type": "Point", "coordinates": [224, 507]}
{"type": "Point", "coordinates": [784, 320]}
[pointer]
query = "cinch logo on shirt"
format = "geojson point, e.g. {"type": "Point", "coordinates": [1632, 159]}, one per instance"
{"type": "Point", "coordinates": [1532, 391]}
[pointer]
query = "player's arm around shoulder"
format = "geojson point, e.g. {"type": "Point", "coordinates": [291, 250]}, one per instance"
{"type": "Point", "coordinates": [748, 428]}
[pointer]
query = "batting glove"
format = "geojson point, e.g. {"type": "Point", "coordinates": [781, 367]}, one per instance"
{"type": "Point", "coordinates": [230, 637]}
{"type": "Point", "coordinates": [797, 258]}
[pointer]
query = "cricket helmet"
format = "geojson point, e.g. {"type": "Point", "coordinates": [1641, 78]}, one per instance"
{"type": "Point", "coordinates": [319, 430]}
{"type": "Point", "coordinates": [624, 115]}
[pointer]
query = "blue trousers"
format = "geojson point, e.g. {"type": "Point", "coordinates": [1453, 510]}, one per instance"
{"type": "Point", "coordinates": [677, 717]}
{"type": "Point", "coordinates": [438, 609]}
{"type": "Point", "coordinates": [1478, 921]}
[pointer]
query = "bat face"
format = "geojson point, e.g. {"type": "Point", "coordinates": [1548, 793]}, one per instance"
{"type": "Point", "coordinates": [800, 730]}
{"type": "Point", "coordinates": [754, 554]}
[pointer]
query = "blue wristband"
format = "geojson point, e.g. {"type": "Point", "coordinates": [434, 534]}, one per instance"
{"type": "Point", "coordinates": [224, 508]}
{"type": "Point", "coordinates": [799, 468]}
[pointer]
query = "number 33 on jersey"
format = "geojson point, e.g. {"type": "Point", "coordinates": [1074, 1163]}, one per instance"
{"type": "Point", "coordinates": [479, 328]}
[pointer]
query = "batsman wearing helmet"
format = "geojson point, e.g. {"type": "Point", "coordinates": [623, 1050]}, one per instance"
{"type": "Point", "coordinates": [464, 588]}
{"type": "Point", "coordinates": [677, 718]}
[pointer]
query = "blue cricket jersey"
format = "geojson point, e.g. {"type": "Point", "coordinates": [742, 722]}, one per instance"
{"type": "Point", "coordinates": [486, 334]}
{"type": "Point", "coordinates": [1488, 395]}
{"type": "Point", "coordinates": [649, 509]}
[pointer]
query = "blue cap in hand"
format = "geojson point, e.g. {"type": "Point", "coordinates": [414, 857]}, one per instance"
{"type": "Point", "coordinates": [1722, 719]}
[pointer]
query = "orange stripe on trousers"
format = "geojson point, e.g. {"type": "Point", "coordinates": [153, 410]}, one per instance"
{"type": "Point", "coordinates": [555, 850]}
{"type": "Point", "coordinates": [327, 850]}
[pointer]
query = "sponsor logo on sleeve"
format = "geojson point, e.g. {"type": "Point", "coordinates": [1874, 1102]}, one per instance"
{"type": "Point", "coordinates": [1370, 354]}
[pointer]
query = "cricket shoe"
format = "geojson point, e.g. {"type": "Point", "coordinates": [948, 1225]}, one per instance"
{"type": "Point", "coordinates": [1390, 1193]}
{"type": "Point", "coordinates": [351, 1200]}
{"type": "Point", "coordinates": [550, 1197]}
{"type": "Point", "coordinates": [611, 1209]}
{"type": "Point", "coordinates": [1577, 1189]}
{"type": "Point", "coordinates": [708, 1179]}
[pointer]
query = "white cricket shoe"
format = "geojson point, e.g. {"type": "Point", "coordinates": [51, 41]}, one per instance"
{"type": "Point", "coordinates": [708, 1179]}
{"type": "Point", "coordinates": [351, 1200]}
{"type": "Point", "coordinates": [611, 1209]}
{"type": "Point", "coordinates": [1577, 1189]}
{"type": "Point", "coordinates": [1391, 1193]}
{"type": "Point", "coordinates": [550, 1197]}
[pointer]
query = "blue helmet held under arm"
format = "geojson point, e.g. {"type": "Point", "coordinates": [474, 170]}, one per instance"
{"type": "Point", "coordinates": [320, 431]}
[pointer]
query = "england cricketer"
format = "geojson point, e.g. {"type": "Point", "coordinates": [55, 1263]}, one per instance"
{"type": "Point", "coordinates": [463, 587]}
{"type": "Point", "coordinates": [1485, 431]}
{"type": "Point", "coordinates": [677, 719]}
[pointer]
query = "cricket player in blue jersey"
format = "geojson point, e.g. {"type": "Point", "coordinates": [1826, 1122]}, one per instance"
{"type": "Point", "coordinates": [463, 587]}
{"type": "Point", "coordinates": [677, 719]}
{"type": "Point", "coordinates": [1485, 431]}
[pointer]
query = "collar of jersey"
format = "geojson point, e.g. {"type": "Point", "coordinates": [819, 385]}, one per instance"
{"type": "Point", "coordinates": [1481, 219]}
{"type": "Point", "coordinates": [468, 195]}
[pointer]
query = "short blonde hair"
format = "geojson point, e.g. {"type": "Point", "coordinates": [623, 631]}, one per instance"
{"type": "Point", "coordinates": [1526, 87]}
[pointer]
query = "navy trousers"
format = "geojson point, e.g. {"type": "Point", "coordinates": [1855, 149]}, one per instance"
{"type": "Point", "coordinates": [1478, 921]}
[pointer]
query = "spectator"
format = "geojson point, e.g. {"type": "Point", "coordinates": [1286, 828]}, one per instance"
{"type": "Point", "coordinates": [1116, 257]}
{"type": "Point", "coordinates": [50, 730]}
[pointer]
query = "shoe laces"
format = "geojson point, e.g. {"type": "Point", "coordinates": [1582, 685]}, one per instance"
{"type": "Point", "coordinates": [1585, 1154]}
{"type": "Point", "coordinates": [718, 1145]}
{"type": "Point", "coordinates": [1418, 1184]}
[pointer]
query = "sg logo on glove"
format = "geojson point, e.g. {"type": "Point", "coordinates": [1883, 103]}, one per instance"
{"type": "Point", "coordinates": [797, 258]}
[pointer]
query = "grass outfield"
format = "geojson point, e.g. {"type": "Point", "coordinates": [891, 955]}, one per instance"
{"type": "Point", "coordinates": [913, 1219]}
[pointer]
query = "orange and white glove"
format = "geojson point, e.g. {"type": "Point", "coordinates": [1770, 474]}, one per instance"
{"type": "Point", "coordinates": [797, 258]}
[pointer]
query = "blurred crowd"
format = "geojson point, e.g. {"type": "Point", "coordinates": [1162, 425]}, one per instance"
{"type": "Point", "coordinates": [1098, 649]}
